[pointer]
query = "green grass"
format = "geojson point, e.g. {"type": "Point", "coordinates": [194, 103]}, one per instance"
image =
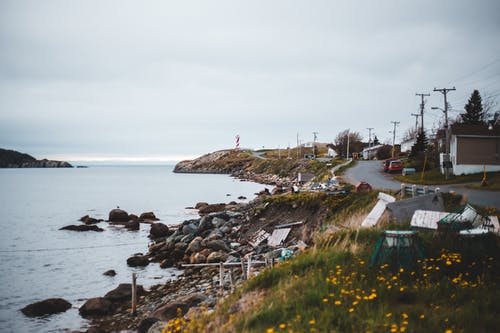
{"type": "Point", "coordinates": [434, 177]}
{"type": "Point", "coordinates": [331, 288]}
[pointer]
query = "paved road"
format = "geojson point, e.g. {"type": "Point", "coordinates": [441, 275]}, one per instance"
{"type": "Point", "coordinates": [371, 172]}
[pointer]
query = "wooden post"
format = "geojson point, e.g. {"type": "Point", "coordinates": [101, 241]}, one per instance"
{"type": "Point", "coordinates": [231, 280]}
{"type": "Point", "coordinates": [249, 266]}
{"type": "Point", "coordinates": [243, 269]}
{"type": "Point", "coordinates": [134, 295]}
{"type": "Point", "coordinates": [221, 278]}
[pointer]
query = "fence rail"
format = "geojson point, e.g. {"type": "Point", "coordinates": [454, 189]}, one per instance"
{"type": "Point", "coordinates": [415, 190]}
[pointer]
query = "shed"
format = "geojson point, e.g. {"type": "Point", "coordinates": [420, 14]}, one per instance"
{"type": "Point", "coordinates": [397, 248]}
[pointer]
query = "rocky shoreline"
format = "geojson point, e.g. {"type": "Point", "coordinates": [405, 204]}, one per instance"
{"type": "Point", "coordinates": [229, 233]}
{"type": "Point", "coordinates": [224, 233]}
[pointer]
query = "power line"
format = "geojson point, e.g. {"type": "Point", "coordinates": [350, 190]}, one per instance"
{"type": "Point", "coordinates": [477, 71]}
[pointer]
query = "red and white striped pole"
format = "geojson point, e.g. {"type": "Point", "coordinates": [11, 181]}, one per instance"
{"type": "Point", "coordinates": [237, 142]}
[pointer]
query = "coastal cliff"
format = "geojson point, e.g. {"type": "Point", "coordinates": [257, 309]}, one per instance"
{"type": "Point", "coordinates": [15, 159]}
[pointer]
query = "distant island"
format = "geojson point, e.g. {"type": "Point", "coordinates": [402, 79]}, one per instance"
{"type": "Point", "coordinates": [15, 159]}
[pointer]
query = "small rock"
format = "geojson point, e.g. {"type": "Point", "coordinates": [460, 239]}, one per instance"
{"type": "Point", "coordinates": [82, 228]}
{"type": "Point", "coordinates": [242, 197]}
{"type": "Point", "coordinates": [111, 272]}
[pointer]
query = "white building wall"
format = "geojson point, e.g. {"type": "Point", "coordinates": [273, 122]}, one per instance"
{"type": "Point", "coordinates": [466, 169]}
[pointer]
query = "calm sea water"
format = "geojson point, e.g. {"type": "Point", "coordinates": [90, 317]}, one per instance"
{"type": "Point", "coordinates": [39, 261]}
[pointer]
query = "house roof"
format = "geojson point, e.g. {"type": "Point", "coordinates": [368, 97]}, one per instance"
{"type": "Point", "coordinates": [474, 130]}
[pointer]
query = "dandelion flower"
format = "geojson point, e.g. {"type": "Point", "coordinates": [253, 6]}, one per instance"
{"type": "Point", "coordinates": [282, 326]}
{"type": "Point", "coordinates": [351, 309]}
{"type": "Point", "coordinates": [389, 314]}
{"type": "Point", "coordinates": [312, 322]}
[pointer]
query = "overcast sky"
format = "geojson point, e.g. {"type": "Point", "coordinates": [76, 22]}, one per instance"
{"type": "Point", "coordinates": [169, 79]}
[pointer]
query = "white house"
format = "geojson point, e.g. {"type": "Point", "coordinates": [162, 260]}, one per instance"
{"type": "Point", "coordinates": [407, 144]}
{"type": "Point", "coordinates": [474, 147]}
{"type": "Point", "coordinates": [371, 152]}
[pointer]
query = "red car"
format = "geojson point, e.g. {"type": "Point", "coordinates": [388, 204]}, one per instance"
{"type": "Point", "coordinates": [395, 166]}
{"type": "Point", "coordinates": [385, 164]}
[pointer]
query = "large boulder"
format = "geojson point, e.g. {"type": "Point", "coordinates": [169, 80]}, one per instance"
{"type": "Point", "coordinates": [146, 324]}
{"type": "Point", "coordinates": [118, 215]}
{"type": "Point", "coordinates": [82, 227]}
{"type": "Point", "coordinates": [98, 306]}
{"type": "Point", "coordinates": [200, 205]}
{"type": "Point", "coordinates": [217, 245]}
{"type": "Point", "coordinates": [148, 216]}
{"type": "Point", "coordinates": [159, 230]}
{"type": "Point", "coordinates": [46, 307]}
{"type": "Point", "coordinates": [136, 261]}
{"type": "Point", "coordinates": [212, 208]}
{"type": "Point", "coordinates": [133, 225]}
{"type": "Point", "coordinates": [189, 229]}
{"type": "Point", "coordinates": [123, 292]}
{"type": "Point", "coordinates": [195, 245]}
{"type": "Point", "coordinates": [169, 311]}
{"type": "Point", "coordinates": [89, 220]}
{"type": "Point", "coordinates": [217, 256]}
{"type": "Point", "coordinates": [197, 258]}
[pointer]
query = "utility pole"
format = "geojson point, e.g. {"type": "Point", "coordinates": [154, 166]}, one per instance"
{"type": "Point", "coordinates": [446, 159]}
{"type": "Point", "coordinates": [416, 115]}
{"type": "Point", "coordinates": [315, 137]}
{"type": "Point", "coordinates": [369, 136]}
{"type": "Point", "coordinates": [422, 106]}
{"type": "Point", "coordinates": [348, 143]}
{"type": "Point", "coordinates": [396, 123]}
{"type": "Point", "coordinates": [297, 145]}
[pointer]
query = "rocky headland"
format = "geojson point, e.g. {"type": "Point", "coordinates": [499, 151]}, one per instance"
{"type": "Point", "coordinates": [15, 159]}
{"type": "Point", "coordinates": [246, 165]}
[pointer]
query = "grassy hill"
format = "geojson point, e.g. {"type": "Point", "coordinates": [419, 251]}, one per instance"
{"type": "Point", "coordinates": [331, 287]}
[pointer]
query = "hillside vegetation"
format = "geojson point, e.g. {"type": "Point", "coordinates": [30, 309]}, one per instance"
{"type": "Point", "coordinates": [332, 288]}
{"type": "Point", "coordinates": [245, 164]}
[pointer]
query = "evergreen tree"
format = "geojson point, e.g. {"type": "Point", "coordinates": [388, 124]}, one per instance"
{"type": "Point", "coordinates": [474, 113]}
{"type": "Point", "coordinates": [375, 141]}
{"type": "Point", "coordinates": [420, 145]}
